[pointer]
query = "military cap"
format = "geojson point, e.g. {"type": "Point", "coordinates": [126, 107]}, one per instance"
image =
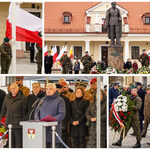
{"type": "Point", "coordinates": [143, 50]}
{"type": "Point", "coordinates": [116, 84]}
{"type": "Point", "coordinates": [113, 3]}
{"type": "Point", "coordinates": [138, 83]}
{"type": "Point", "coordinates": [133, 87]}
{"type": "Point", "coordinates": [40, 35]}
{"type": "Point", "coordinates": [19, 77]}
{"type": "Point", "coordinates": [6, 39]}
{"type": "Point", "coordinates": [63, 83]}
{"type": "Point", "coordinates": [86, 51]}
{"type": "Point", "coordinates": [148, 85]}
{"type": "Point", "coordinates": [58, 86]}
{"type": "Point", "coordinates": [81, 83]}
{"type": "Point", "coordinates": [94, 80]}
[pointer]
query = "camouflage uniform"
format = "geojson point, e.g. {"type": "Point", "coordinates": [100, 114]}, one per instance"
{"type": "Point", "coordinates": [65, 60]}
{"type": "Point", "coordinates": [135, 122]}
{"type": "Point", "coordinates": [25, 90]}
{"type": "Point", "coordinates": [39, 59]}
{"type": "Point", "coordinates": [144, 59]}
{"type": "Point", "coordinates": [90, 95]}
{"type": "Point", "coordinates": [6, 56]}
{"type": "Point", "coordinates": [87, 62]}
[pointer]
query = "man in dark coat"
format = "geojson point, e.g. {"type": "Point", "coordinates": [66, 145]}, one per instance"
{"type": "Point", "coordinates": [114, 24]}
{"type": "Point", "coordinates": [65, 122]}
{"type": "Point", "coordinates": [53, 105]}
{"type": "Point", "coordinates": [113, 93]}
{"type": "Point", "coordinates": [2, 96]}
{"type": "Point", "coordinates": [33, 99]}
{"type": "Point", "coordinates": [6, 56]}
{"type": "Point", "coordinates": [128, 64]}
{"type": "Point", "coordinates": [48, 63]}
{"type": "Point", "coordinates": [14, 108]}
{"type": "Point", "coordinates": [32, 51]}
{"type": "Point", "coordinates": [141, 94]}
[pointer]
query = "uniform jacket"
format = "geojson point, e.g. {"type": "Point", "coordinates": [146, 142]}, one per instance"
{"type": "Point", "coordinates": [39, 54]}
{"type": "Point", "coordinates": [87, 60]}
{"type": "Point", "coordinates": [147, 107]}
{"type": "Point", "coordinates": [14, 109]}
{"type": "Point", "coordinates": [65, 60]}
{"type": "Point", "coordinates": [25, 90]}
{"type": "Point", "coordinates": [144, 59]}
{"type": "Point", "coordinates": [5, 50]}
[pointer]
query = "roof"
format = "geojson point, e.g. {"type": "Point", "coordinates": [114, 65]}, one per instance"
{"type": "Point", "coordinates": [54, 10]}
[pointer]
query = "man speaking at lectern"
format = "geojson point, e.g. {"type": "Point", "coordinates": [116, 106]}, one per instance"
{"type": "Point", "coordinates": [51, 105]}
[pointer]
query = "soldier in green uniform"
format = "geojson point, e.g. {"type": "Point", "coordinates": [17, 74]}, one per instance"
{"type": "Point", "coordinates": [6, 56]}
{"type": "Point", "coordinates": [144, 59]}
{"type": "Point", "coordinates": [65, 60]}
{"type": "Point", "coordinates": [135, 122]}
{"type": "Point", "coordinates": [39, 57]}
{"type": "Point", "coordinates": [87, 62]}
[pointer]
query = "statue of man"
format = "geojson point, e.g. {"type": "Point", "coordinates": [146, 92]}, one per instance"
{"type": "Point", "coordinates": [114, 24]}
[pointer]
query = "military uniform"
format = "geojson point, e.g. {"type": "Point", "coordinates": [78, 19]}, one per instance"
{"type": "Point", "coordinates": [65, 60]}
{"type": "Point", "coordinates": [6, 56]}
{"type": "Point", "coordinates": [87, 62]}
{"type": "Point", "coordinates": [135, 123]}
{"type": "Point", "coordinates": [25, 90]}
{"type": "Point", "coordinates": [39, 59]}
{"type": "Point", "coordinates": [144, 59]}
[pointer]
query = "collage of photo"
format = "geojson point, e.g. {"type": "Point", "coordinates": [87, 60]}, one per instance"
{"type": "Point", "coordinates": [75, 74]}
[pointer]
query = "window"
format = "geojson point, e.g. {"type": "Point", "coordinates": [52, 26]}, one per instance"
{"type": "Point", "coordinates": [135, 52]}
{"type": "Point", "coordinates": [58, 49]}
{"type": "Point", "coordinates": [145, 81]}
{"type": "Point", "coordinates": [77, 52]}
{"type": "Point", "coordinates": [67, 17]}
{"type": "Point", "coordinates": [147, 20]}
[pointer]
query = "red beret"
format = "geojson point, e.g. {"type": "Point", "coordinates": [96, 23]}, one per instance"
{"type": "Point", "coordinates": [19, 77]}
{"type": "Point", "coordinates": [93, 80]}
{"type": "Point", "coordinates": [63, 83]}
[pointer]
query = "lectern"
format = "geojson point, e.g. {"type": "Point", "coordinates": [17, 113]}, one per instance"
{"type": "Point", "coordinates": [34, 133]}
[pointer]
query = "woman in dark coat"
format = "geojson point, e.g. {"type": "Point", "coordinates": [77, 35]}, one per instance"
{"type": "Point", "coordinates": [76, 67]}
{"type": "Point", "coordinates": [78, 129]}
{"type": "Point", "coordinates": [91, 122]}
{"type": "Point", "coordinates": [14, 108]}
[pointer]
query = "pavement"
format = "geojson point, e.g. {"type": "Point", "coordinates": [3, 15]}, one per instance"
{"type": "Point", "coordinates": [129, 140]}
{"type": "Point", "coordinates": [23, 65]}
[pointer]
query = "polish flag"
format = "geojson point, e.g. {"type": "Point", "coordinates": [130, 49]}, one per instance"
{"type": "Point", "coordinates": [45, 51]}
{"type": "Point", "coordinates": [71, 53]}
{"type": "Point", "coordinates": [64, 48]}
{"type": "Point", "coordinates": [28, 26]}
{"type": "Point", "coordinates": [54, 53]}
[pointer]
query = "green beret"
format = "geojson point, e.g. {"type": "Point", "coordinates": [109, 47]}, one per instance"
{"type": "Point", "coordinates": [6, 39]}
{"type": "Point", "coordinates": [143, 50]}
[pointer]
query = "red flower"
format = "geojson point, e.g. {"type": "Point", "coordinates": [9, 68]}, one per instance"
{"type": "Point", "coordinates": [1, 134]}
{"type": "Point", "coordinates": [6, 136]}
{"type": "Point", "coordinates": [129, 112]}
{"type": "Point", "coordinates": [124, 117]}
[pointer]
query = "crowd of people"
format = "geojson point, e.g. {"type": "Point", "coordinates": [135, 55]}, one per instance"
{"type": "Point", "coordinates": [140, 96]}
{"type": "Point", "coordinates": [75, 111]}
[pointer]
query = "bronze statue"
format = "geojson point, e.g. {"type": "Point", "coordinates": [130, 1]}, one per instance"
{"type": "Point", "coordinates": [114, 24]}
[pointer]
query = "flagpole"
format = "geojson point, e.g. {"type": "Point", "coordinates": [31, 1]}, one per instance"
{"type": "Point", "coordinates": [13, 17]}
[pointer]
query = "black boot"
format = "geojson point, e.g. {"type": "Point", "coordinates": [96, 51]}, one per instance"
{"type": "Point", "coordinates": [137, 145]}
{"type": "Point", "coordinates": [148, 143]}
{"type": "Point", "coordinates": [118, 143]}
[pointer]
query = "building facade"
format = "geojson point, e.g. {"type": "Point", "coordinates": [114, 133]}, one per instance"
{"type": "Point", "coordinates": [82, 25]}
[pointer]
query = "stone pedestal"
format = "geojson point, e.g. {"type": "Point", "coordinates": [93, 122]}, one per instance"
{"type": "Point", "coordinates": [115, 57]}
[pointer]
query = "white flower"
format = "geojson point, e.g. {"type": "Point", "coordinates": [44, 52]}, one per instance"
{"type": "Point", "coordinates": [119, 104]}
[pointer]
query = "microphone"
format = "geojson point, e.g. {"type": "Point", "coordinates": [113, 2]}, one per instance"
{"type": "Point", "coordinates": [33, 107]}
{"type": "Point", "coordinates": [40, 103]}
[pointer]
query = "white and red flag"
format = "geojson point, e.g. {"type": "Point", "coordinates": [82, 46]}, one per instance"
{"type": "Point", "coordinates": [28, 26]}
{"type": "Point", "coordinates": [54, 53]}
